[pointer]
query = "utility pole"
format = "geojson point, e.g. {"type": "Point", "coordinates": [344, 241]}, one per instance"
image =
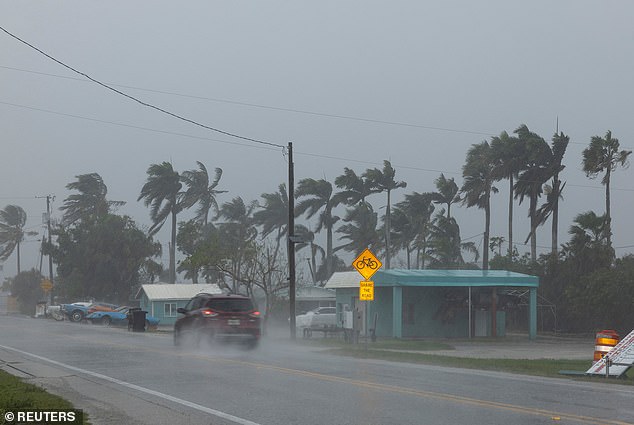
{"type": "Point", "coordinates": [291, 236]}
{"type": "Point", "coordinates": [48, 225]}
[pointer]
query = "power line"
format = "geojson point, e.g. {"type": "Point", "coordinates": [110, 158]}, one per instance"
{"type": "Point", "coordinates": [63, 114]}
{"type": "Point", "coordinates": [149, 105]}
{"type": "Point", "coordinates": [274, 108]}
{"type": "Point", "coordinates": [315, 155]}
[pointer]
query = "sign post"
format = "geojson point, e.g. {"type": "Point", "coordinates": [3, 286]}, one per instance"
{"type": "Point", "coordinates": [366, 264]}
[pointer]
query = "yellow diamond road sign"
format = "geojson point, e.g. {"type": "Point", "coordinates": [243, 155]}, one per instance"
{"type": "Point", "coordinates": [367, 264]}
{"type": "Point", "coordinates": [46, 285]}
{"type": "Point", "coordinates": [366, 291]}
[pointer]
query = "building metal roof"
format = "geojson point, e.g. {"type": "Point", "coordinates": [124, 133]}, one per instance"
{"type": "Point", "coordinates": [177, 291]}
{"type": "Point", "coordinates": [438, 278]}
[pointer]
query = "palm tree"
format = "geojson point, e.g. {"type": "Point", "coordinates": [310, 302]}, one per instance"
{"type": "Point", "coordinates": [355, 188]}
{"type": "Point", "coordinates": [319, 198]}
{"type": "Point", "coordinates": [308, 240]}
{"type": "Point", "coordinates": [383, 181]}
{"type": "Point", "coordinates": [448, 192]}
{"type": "Point", "coordinates": [238, 233]}
{"type": "Point", "coordinates": [508, 154]}
{"type": "Point", "coordinates": [360, 230]}
{"type": "Point", "coordinates": [446, 248]}
{"type": "Point", "coordinates": [536, 171]}
{"type": "Point", "coordinates": [411, 223]}
{"type": "Point", "coordinates": [12, 233]}
{"type": "Point", "coordinates": [200, 191]}
{"type": "Point", "coordinates": [90, 201]}
{"type": "Point", "coordinates": [588, 243]}
{"type": "Point", "coordinates": [273, 215]}
{"type": "Point", "coordinates": [603, 155]}
{"type": "Point", "coordinates": [162, 193]}
{"type": "Point", "coordinates": [478, 173]}
{"type": "Point", "coordinates": [554, 191]}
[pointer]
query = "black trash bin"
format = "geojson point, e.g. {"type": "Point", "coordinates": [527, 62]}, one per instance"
{"type": "Point", "coordinates": [136, 320]}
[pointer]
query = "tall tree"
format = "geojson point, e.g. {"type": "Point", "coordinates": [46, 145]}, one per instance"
{"type": "Point", "coordinates": [12, 233]}
{"type": "Point", "coordinates": [360, 229]}
{"type": "Point", "coordinates": [509, 159]}
{"type": "Point", "coordinates": [272, 216]}
{"type": "Point", "coordinates": [91, 200]}
{"type": "Point", "coordinates": [355, 188]}
{"type": "Point", "coordinates": [478, 173]}
{"type": "Point", "coordinates": [535, 172]}
{"type": "Point", "coordinates": [603, 155]}
{"type": "Point", "coordinates": [238, 234]}
{"type": "Point", "coordinates": [412, 220]}
{"type": "Point", "coordinates": [162, 192]}
{"type": "Point", "coordinates": [447, 192]}
{"type": "Point", "coordinates": [555, 189]}
{"type": "Point", "coordinates": [202, 192]}
{"type": "Point", "coordinates": [318, 196]}
{"type": "Point", "coordinates": [308, 240]}
{"type": "Point", "coordinates": [384, 181]}
{"type": "Point", "coordinates": [102, 258]}
{"type": "Point", "coordinates": [446, 247]}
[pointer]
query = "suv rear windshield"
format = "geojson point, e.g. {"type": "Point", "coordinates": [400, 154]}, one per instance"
{"type": "Point", "coordinates": [230, 304]}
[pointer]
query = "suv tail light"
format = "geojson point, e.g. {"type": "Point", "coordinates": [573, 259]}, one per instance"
{"type": "Point", "coordinates": [255, 314]}
{"type": "Point", "coordinates": [209, 313]}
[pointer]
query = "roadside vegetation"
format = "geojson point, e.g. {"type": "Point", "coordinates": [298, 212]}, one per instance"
{"type": "Point", "coordinates": [422, 352]}
{"type": "Point", "coordinates": [15, 394]}
{"type": "Point", "coordinates": [240, 243]}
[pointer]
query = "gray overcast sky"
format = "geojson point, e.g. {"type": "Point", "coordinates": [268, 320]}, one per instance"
{"type": "Point", "coordinates": [482, 67]}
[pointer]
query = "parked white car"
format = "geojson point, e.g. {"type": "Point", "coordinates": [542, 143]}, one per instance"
{"type": "Point", "coordinates": [321, 317]}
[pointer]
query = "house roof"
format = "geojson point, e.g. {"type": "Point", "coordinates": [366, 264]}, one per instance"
{"type": "Point", "coordinates": [438, 278]}
{"type": "Point", "coordinates": [177, 291]}
{"type": "Point", "coordinates": [310, 293]}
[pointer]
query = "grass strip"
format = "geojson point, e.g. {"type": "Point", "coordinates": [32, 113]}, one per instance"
{"type": "Point", "coordinates": [15, 394]}
{"type": "Point", "coordinates": [421, 352]}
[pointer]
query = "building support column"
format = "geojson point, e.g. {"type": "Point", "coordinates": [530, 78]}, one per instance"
{"type": "Point", "coordinates": [397, 312]}
{"type": "Point", "coordinates": [532, 314]}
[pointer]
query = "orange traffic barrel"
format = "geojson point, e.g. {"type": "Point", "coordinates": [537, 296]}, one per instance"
{"type": "Point", "coordinates": [604, 342]}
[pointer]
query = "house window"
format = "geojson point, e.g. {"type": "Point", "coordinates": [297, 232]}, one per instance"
{"type": "Point", "coordinates": [408, 314]}
{"type": "Point", "coordinates": [170, 310]}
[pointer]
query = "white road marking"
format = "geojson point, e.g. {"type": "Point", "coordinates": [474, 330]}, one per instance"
{"type": "Point", "coordinates": [204, 409]}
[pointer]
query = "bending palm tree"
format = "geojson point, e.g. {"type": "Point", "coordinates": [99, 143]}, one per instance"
{"type": "Point", "coordinates": [509, 156]}
{"type": "Point", "coordinates": [319, 197]}
{"type": "Point", "coordinates": [162, 192]}
{"type": "Point", "coordinates": [200, 191]}
{"type": "Point", "coordinates": [603, 155]}
{"type": "Point", "coordinates": [273, 215]}
{"type": "Point", "coordinates": [12, 222]}
{"type": "Point", "coordinates": [536, 171]}
{"type": "Point", "coordinates": [448, 192]}
{"type": "Point", "coordinates": [355, 188]}
{"type": "Point", "coordinates": [554, 191]}
{"type": "Point", "coordinates": [478, 173]}
{"type": "Point", "coordinates": [383, 181]}
{"type": "Point", "coordinates": [90, 201]}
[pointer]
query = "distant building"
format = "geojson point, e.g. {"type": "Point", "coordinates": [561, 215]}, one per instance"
{"type": "Point", "coordinates": [435, 303]}
{"type": "Point", "coordinates": [8, 304]}
{"type": "Point", "coordinates": [161, 300]}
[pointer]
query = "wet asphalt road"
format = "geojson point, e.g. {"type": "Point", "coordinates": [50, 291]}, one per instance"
{"type": "Point", "coordinates": [123, 377]}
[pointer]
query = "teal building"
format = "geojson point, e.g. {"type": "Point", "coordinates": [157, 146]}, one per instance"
{"type": "Point", "coordinates": [435, 303]}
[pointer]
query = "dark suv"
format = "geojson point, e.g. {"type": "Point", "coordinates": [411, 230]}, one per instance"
{"type": "Point", "coordinates": [212, 317]}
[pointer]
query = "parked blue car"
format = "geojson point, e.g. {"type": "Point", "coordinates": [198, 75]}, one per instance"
{"type": "Point", "coordinates": [118, 317]}
{"type": "Point", "coordinates": [75, 311]}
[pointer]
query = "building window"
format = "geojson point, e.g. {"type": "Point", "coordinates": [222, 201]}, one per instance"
{"type": "Point", "coordinates": [170, 310]}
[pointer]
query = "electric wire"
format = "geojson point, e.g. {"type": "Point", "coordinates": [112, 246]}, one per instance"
{"type": "Point", "coordinates": [296, 152]}
{"type": "Point", "coordinates": [149, 105]}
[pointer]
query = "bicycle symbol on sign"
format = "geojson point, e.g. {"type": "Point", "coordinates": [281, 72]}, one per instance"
{"type": "Point", "coordinates": [367, 261]}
